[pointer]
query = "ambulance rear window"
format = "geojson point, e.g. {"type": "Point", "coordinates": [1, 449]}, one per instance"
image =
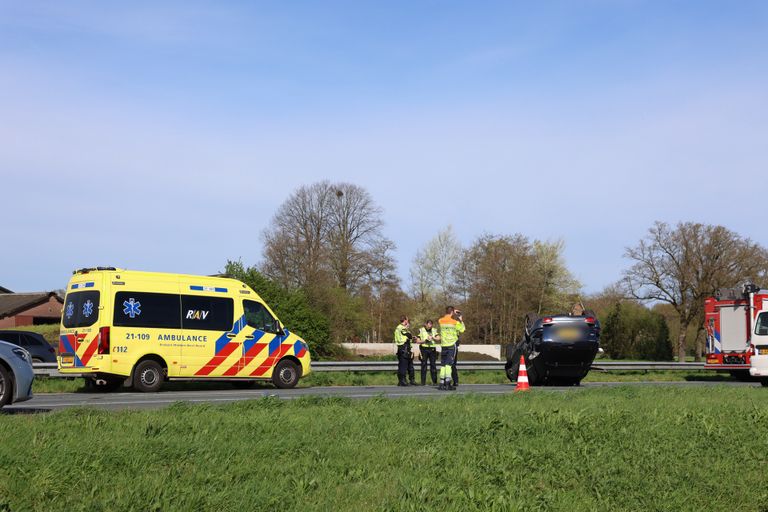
{"type": "Point", "coordinates": [81, 309]}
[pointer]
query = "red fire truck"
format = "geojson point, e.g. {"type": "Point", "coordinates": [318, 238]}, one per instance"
{"type": "Point", "coordinates": [729, 320]}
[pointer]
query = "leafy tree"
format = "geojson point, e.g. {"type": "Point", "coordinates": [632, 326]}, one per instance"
{"type": "Point", "coordinates": [434, 266]}
{"type": "Point", "coordinates": [502, 278]}
{"type": "Point", "coordinates": [556, 284]}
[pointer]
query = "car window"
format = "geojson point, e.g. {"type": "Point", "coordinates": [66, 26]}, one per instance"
{"type": "Point", "coordinates": [10, 337]}
{"type": "Point", "coordinates": [30, 341]}
{"type": "Point", "coordinates": [257, 316]}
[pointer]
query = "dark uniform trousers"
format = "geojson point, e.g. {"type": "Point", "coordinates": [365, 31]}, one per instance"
{"type": "Point", "coordinates": [428, 355]}
{"type": "Point", "coordinates": [405, 363]}
{"type": "Point", "coordinates": [454, 367]}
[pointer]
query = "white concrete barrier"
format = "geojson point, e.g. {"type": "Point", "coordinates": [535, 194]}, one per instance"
{"type": "Point", "coordinates": [385, 349]}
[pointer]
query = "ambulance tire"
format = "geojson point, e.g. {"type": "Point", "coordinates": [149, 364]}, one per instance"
{"type": "Point", "coordinates": [148, 376]}
{"type": "Point", "coordinates": [286, 374]}
{"type": "Point", "coordinates": [243, 384]}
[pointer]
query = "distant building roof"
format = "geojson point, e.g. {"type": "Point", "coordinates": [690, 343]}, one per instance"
{"type": "Point", "coordinates": [5, 290]}
{"type": "Point", "coordinates": [14, 303]}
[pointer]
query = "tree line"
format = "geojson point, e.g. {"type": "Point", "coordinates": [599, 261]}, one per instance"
{"type": "Point", "coordinates": [329, 272]}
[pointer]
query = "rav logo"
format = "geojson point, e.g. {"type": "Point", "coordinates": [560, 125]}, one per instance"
{"type": "Point", "coordinates": [196, 314]}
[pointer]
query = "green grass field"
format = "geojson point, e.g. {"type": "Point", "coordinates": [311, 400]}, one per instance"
{"type": "Point", "coordinates": [601, 449]}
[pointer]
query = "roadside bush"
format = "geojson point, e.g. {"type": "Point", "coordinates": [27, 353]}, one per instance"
{"type": "Point", "coordinates": [632, 331]}
{"type": "Point", "coordinates": [292, 307]}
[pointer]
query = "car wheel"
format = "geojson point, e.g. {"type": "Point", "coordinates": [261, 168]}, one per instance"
{"type": "Point", "coordinates": [286, 374]}
{"type": "Point", "coordinates": [148, 376]}
{"type": "Point", "coordinates": [6, 387]}
{"type": "Point", "coordinates": [37, 360]}
{"type": "Point", "coordinates": [243, 384]}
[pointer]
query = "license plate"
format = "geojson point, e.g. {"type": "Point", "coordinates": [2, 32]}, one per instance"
{"type": "Point", "coordinates": [569, 333]}
{"type": "Point", "coordinates": [763, 351]}
{"type": "Point", "coordinates": [68, 360]}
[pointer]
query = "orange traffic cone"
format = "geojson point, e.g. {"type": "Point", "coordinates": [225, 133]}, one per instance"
{"type": "Point", "coordinates": [522, 377]}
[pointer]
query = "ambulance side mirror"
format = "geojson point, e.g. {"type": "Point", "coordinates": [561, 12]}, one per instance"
{"type": "Point", "coordinates": [277, 329]}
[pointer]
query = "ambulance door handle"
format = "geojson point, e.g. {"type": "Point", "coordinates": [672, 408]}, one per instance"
{"type": "Point", "coordinates": [249, 337]}
{"type": "Point", "coordinates": [231, 335]}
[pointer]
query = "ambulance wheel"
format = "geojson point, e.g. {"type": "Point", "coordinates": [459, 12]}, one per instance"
{"type": "Point", "coordinates": [148, 376]}
{"type": "Point", "coordinates": [6, 387]}
{"type": "Point", "coordinates": [286, 374]}
{"type": "Point", "coordinates": [243, 384]}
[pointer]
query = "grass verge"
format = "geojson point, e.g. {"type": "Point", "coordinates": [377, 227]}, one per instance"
{"type": "Point", "coordinates": [43, 385]}
{"type": "Point", "coordinates": [601, 449]}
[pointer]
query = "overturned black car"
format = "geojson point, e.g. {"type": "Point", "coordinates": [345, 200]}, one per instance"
{"type": "Point", "coordinates": [558, 349]}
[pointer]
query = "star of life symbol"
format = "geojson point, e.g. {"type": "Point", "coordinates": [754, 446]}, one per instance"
{"type": "Point", "coordinates": [132, 307]}
{"type": "Point", "coordinates": [88, 308]}
{"type": "Point", "coordinates": [70, 310]}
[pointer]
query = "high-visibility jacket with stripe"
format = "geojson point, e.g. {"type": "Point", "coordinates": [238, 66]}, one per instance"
{"type": "Point", "coordinates": [450, 329]}
{"type": "Point", "coordinates": [424, 336]}
{"type": "Point", "coordinates": [401, 334]}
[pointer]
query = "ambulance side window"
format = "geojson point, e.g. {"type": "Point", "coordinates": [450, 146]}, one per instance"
{"type": "Point", "coordinates": [142, 309]}
{"type": "Point", "coordinates": [207, 313]}
{"type": "Point", "coordinates": [257, 316]}
{"type": "Point", "coordinates": [761, 329]}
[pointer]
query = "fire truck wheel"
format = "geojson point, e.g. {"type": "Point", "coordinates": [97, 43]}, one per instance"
{"type": "Point", "coordinates": [286, 374]}
{"type": "Point", "coordinates": [148, 376]}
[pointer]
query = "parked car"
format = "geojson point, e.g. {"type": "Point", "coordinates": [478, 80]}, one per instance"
{"type": "Point", "coordinates": [558, 349]}
{"type": "Point", "coordinates": [40, 350]}
{"type": "Point", "coordinates": [16, 374]}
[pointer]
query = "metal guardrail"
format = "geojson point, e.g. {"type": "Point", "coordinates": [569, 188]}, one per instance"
{"type": "Point", "coordinates": [51, 370]}
{"type": "Point", "coordinates": [645, 365]}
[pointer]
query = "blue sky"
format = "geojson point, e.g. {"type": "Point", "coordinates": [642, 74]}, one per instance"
{"type": "Point", "coordinates": [163, 136]}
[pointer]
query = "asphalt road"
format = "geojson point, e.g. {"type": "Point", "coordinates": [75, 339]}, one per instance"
{"type": "Point", "coordinates": [57, 401]}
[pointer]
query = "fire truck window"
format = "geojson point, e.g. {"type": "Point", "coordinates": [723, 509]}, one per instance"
{"type": "Point", "coordinates": [762, 325]}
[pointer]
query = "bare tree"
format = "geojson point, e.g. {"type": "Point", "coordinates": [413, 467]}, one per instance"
{"type": "Point", "coordinates": [295, 245]}
{"type": "Point", "coordinates": [683, 265]}
{"type": "Point", "coordinates": [354, 230]}
{"type": "Point", "coordinates": [323, 230]}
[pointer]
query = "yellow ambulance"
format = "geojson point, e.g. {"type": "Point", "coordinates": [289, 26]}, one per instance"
{"type": "Point", "coordinates": [139, 329]}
